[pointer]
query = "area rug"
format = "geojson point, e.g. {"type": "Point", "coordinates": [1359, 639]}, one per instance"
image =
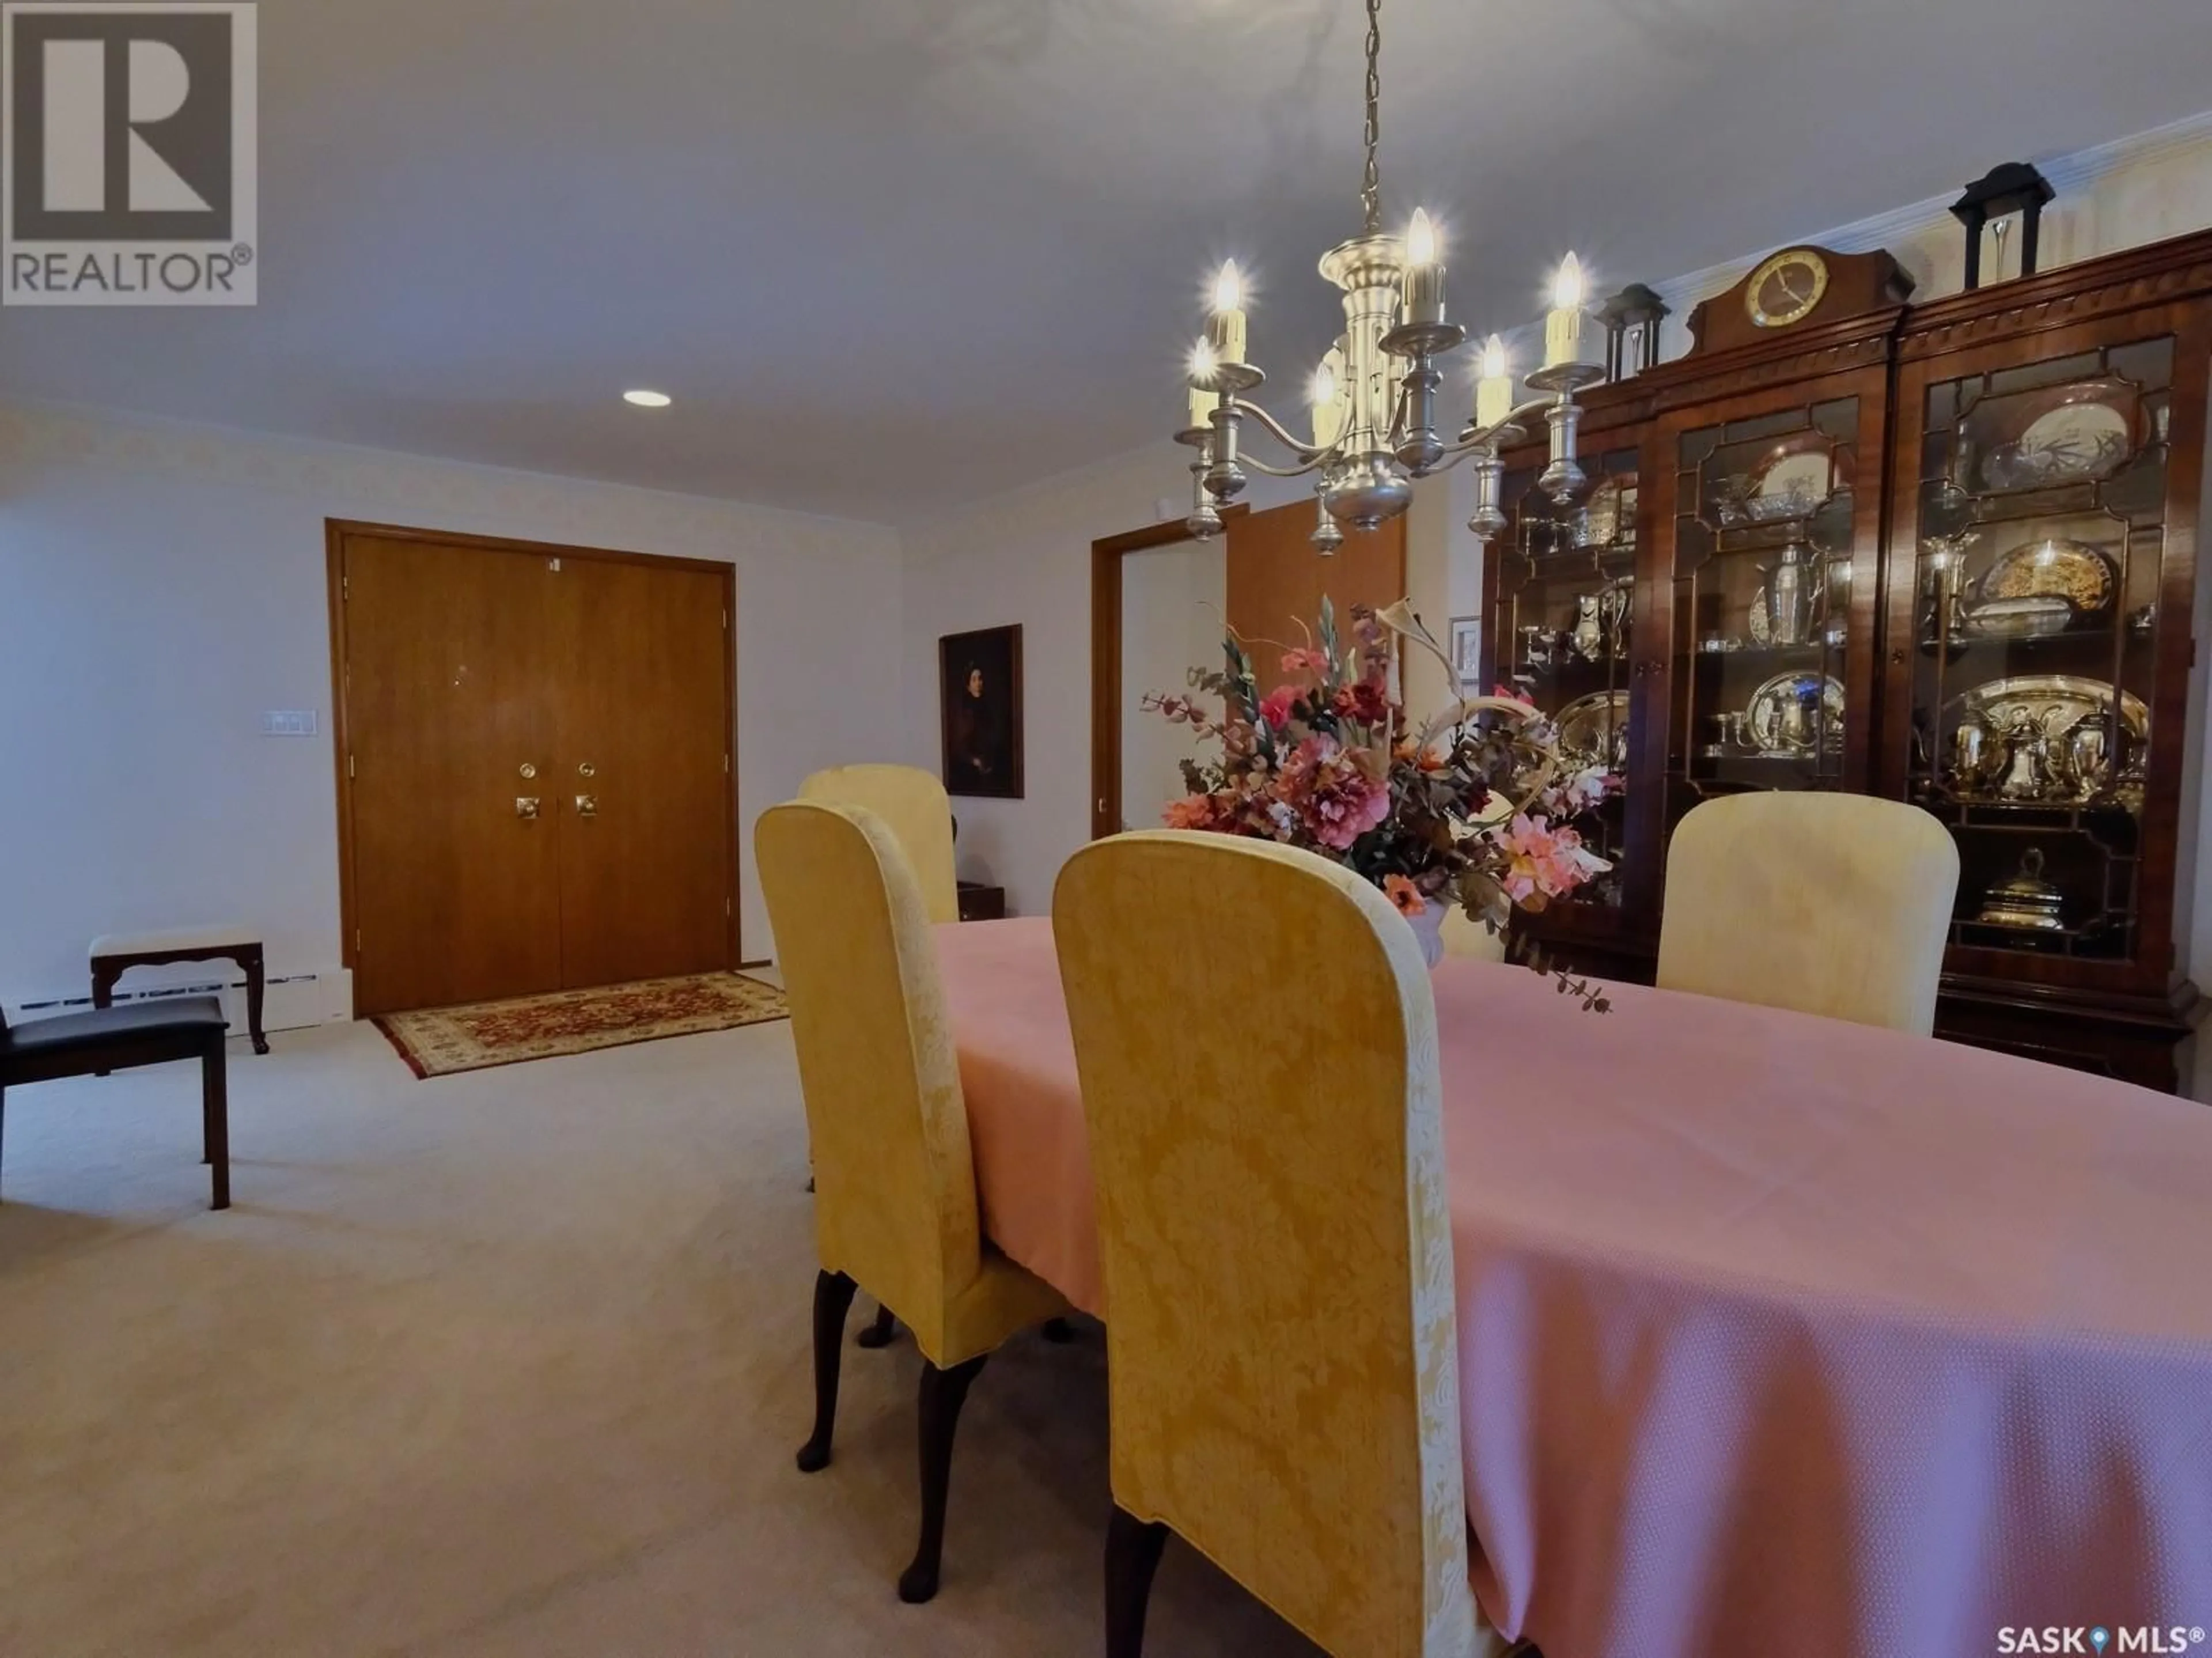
{"type": "Point", "coordinates": [441, 1042]}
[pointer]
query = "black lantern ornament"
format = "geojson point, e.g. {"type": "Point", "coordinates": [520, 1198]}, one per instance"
{"type": "Point", "coordinates": [2009, 187]}
{"type": "Point", "coordinates": [1632, 331]}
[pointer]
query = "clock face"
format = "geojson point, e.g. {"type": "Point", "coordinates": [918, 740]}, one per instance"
{"type": "Point", "coordinates": [1786, 288]}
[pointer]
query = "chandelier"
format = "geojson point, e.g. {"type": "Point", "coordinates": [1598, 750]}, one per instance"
{"type": "Point", "coordinates": [1375, 395]}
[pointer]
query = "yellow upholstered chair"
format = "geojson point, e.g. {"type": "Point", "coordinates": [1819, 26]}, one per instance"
{"type": "Point", "coordinates": [918, 811]}
{"type": "Point", "coordinates": [1277, 1252]}
{"type": "Point", "coordinates": [1837, 904]}
{"type": "Point", "coordinates": [895, 1206]}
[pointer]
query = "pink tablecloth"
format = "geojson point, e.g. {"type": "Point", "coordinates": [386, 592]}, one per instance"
{"type": "Point", "coordinates": [1779, 1337]}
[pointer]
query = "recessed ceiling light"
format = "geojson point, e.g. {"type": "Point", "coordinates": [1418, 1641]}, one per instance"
{"type": "Point", "coordinates": [649, 400]}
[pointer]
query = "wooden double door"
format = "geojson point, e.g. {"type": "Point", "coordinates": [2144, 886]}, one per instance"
{"type": "Point", "coordinates": [535, 766]}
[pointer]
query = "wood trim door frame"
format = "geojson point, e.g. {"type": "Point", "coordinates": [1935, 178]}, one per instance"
{"type": "Point", "coordinates": [1106, 558]}
{"type": "Point", "coordinates": [336, 533]}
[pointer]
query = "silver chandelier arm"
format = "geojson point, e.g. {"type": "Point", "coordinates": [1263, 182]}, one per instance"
{"type": "Point", "coordinates": [1307, 454]}
{"type": "Point", "coordinates": [1471, 438]}
{"type": "Point", "coordinates": [1299, 471]}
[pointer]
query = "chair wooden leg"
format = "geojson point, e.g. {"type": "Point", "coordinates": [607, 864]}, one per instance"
{"type": "Point", "coordinates": [942, 1394]}
{"type": "Point", "coordinates": [214, 1123]}
{"type": "Point", "coordinates": [1132, 1555]}
{"type": "Point", "coordinates": [881, 1333]}
{"type": "Point", "coordinates": [833, 1297]}
{"type": "Point", "coordinates": [250, 961]}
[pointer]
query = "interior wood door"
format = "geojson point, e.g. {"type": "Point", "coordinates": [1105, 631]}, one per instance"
{"type": "Point", "coordinates": [646, 800]}
{"type": "Point", "coordinates": [1276, 580]}
{"type": "Point", "coordinates": [455, 895]}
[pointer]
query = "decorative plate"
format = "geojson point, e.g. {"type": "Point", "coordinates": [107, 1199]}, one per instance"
{"type": "Point", "coordinates": [1611, 514]}
{"type": "Point", "coordinates": [1793, 479]}
{"type": "Point", "coordinates": [2069, 433]}
{"type": "Point", "coordinates": [1770, 720]}
{"type": "Point", "coordinates": [2055, 701]}
{"type": "Point", "coordinates": [2052, 569]}
{"type": "Point", "coordinates": [1594, 730]}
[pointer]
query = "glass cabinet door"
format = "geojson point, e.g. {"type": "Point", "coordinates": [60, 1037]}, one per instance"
{"type": "Point", "coordinates": [1565, 605]}
{"type": "Point", "coordinates": [2039, 494]}
{"type": "Point", "coordinates": [1766, 519]}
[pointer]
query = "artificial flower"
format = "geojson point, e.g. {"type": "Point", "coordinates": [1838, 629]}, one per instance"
{"type": "Point", "coordinates": [1404, 894]}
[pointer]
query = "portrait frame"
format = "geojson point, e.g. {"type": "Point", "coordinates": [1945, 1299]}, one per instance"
{"type": "Point", "coordinates": [981, 744]}
{"type": "Point", "coordinates": [1467, 653]}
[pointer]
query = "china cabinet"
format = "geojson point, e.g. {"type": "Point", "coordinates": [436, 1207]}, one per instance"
{"type": "Point", "coordinates": [1944, 553]}
{"type": "Point", "coordinates": [1559, 609]}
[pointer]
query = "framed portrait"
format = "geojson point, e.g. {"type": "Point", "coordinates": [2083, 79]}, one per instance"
{"type": "Point", "coordinates": [979, 678]}
{"type": "Point", "coordinates": [1467, 653]}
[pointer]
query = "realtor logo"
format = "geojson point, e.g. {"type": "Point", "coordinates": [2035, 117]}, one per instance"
{"type": "Point", "coordinates": [127, 142]}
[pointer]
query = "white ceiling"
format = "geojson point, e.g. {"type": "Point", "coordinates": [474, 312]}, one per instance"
{"type": "Point", "coordinates": [891, 254]}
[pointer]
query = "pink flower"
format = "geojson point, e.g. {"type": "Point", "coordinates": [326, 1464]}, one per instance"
{"type": "Point", "coordinates": [1338, 801]}
{"type": "Point", "coordinates": [1404, 894]}
{"type": "Point", "coordinates": [1275, 706]}
{"type": "Point", "coordinates": [1308, 660]}
{"type": "Point", "coordinates": [1543, 863]}
{"type": "Point", "coordinates": [1365, 702]}
{"type": "Point", "coordinates": [1195, 812]}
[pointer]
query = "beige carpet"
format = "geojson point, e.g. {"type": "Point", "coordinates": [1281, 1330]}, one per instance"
{"type": "Point", "coordinates": [512, 1367]}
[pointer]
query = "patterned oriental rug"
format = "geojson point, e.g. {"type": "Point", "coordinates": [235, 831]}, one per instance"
{"type": "Point", "coordinates": [441, 1042]}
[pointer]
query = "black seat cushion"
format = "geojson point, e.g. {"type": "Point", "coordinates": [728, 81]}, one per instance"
{"type": "Point", "coordinates": [171, 1016]}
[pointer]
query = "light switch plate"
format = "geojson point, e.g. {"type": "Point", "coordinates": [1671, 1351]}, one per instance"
{"type": "Point", "coordinates": [289, 722]}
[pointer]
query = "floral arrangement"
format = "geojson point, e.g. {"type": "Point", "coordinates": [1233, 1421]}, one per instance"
{"type": "Point", "coordinates": [1471, 813]}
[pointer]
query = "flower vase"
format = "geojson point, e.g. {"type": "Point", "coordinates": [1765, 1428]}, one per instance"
{"type": "Point", "coordinates": [1429, 927]}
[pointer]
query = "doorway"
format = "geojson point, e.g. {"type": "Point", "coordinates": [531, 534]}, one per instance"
{"type": "Point", "coordinates": [536, 756]}
{"type": "Point", "coordinates": [1158, 603]}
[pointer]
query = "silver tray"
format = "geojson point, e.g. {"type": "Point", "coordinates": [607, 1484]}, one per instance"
{"type": "Point", "coordinates": [2051, 567]}
{"type": "Point", "coordinates": [1594, 730]}
{"type": "Point", "coordinates": [1763, 714]}
{"type": "Point", "coordinates": [2056, 702]}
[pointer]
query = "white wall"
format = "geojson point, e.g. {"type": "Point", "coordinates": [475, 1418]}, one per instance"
{"type": "Point", "coordinates": [1025, 557]}
{"type": "Point", "coordinates": [161, 585]}
{"type": "Point", "coordinates": [1174, 608]}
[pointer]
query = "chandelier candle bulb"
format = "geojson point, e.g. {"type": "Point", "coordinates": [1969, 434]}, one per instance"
{"type": "Point", "coordinates": [1564, 325]}
{"type": "Point", "coordinates": [1225, 328]}
{"type": "Point", "coordinates": [1493, 392]}
{"type": "Point", "coordinates": [1327, 402]}
{"type": "Point", "coordinates": [1424, 294]}
{"type": "Point", "coordinates": [1203, 395]}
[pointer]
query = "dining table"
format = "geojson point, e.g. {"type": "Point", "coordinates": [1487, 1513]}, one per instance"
{"type": "Point", "coordinates": [1779, 1336]}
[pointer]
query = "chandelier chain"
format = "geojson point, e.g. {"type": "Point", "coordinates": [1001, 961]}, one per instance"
{"type": "Point", "coordinates": [1370, 191]}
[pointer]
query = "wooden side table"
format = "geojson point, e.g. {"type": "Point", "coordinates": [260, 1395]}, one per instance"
{"type": "Point", "coordinates": [116, 953]}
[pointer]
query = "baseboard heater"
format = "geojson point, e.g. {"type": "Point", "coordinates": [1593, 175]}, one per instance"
{"type": "Point", "coordinates": [292, 1002]}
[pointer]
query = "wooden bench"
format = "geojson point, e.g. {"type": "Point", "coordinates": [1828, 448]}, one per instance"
{"type": "Point", "coordinates": [117, 1038]}
{"type": "Point", "coordinates": [116, 953]}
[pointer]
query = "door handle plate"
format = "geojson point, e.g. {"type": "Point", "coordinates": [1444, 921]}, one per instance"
{"type": "Point", "coordinates": [525, 805]}
{"type": "Point", "coordinates": [588, 806]}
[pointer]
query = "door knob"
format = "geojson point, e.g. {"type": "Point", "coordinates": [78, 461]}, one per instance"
{"type": "Point", "coordinates": [529, 771]}
{"type": "Point", "coordinates": [525, 805]}
{"type": "Point", "coordinates": [588, 806]}
{"type": "Point", "coordinates": [587, 770]}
